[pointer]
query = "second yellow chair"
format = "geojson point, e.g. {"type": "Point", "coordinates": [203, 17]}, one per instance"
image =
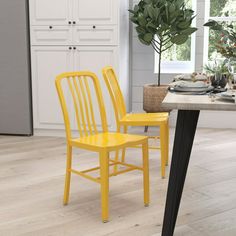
{"type": "Point", "coordinates": [143, 119]}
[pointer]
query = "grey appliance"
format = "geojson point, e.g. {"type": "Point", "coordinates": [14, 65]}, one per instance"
{"type": "Point", "coordinates": [15, 72]}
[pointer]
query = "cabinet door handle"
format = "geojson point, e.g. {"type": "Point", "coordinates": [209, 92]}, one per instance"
{"type": "Point", "coordinates": [74, 22]}
{"type": "Point", "coordinates": [69, 22]}
{"type": "Point", "coordinates": [74, 48]}
{"type": "Point", "coordinates": [94, 26]}
{"type": "Point", "coordinates": [50, 27]}
{"type": "Point", "coordinates": [70, 48]}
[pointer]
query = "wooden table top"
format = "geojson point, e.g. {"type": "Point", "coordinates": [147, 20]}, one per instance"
{"type": "Point", "coordinates": [196, 102]}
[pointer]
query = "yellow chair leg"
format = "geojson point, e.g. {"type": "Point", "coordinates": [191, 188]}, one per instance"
{"type": "Point", "coordinates": [104, 177]}
{"type": "Point", "coordinates": [116, 154]}
{"type": "Point", "coordinates": [167, 141]}
{"type": "Point", "coordinates": [116, 159]}
{"type": "Point", "coordinates": [123, 155]}
{"type": "Point", "coordinates": [68, 175]}
{"type": "Point", "coordinates": [163, 149]}
{"type": "Point", "coordinates": [145, 173]}
{"type": "Point", "coordinates": [123, 150]}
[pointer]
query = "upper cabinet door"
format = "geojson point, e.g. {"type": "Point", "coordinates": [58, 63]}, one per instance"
{"type": "Point", "coordinates": [50, 12]}
{"type": "Point", "coordinates": [96, 12]}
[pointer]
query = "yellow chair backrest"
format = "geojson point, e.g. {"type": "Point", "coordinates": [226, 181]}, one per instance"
{"type": "Point", "coordinates": [80, 90]}
{"type": "Point", "coordinates": [115, 92]}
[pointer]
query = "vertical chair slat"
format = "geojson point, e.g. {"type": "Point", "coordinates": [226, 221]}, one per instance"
{"type": "Point", "coordinates": [90, 105]}
{"type": "Point", "coordinates": [80, 105]}
{"type": "Point", "coordinates": [85, 105]}
{"type": "Point", "coordinates": [63, 105]}
{"type": "Point", "coordinates": [75, 103]}
{"type": "Point", "coordinates": [115, 92]}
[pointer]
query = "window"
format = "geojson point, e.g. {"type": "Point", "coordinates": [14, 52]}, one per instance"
{"type": "Point", "coordinates": [223, 11]}
{"type": "Point", "coordinates": [179, 58]}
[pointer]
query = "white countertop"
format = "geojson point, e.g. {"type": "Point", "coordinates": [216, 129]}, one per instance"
{"type": "Point", "coordinates": [196, 102]}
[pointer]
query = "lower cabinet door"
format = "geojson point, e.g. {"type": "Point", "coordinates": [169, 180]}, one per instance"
{"type": "Point", "coordinates": [47, 63]}
{"type": "Point", "coordinates": [94, 58]}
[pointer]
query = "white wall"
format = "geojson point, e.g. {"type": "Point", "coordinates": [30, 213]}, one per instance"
{"type": "Point", "coordinates": [142, 70]}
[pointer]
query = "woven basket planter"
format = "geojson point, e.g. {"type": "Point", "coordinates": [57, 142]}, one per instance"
{"type": "Point", "coordinates": [153, 96]}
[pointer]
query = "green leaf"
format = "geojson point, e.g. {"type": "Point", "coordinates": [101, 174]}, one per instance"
{"type": "Point", "coordinates": [131, 11]}
{"type": "Point", "coordinates": [151, 11]}
{"type": "Point", "coordinates": [152, 25]}
{"type": "Point", "coordinates": [148, 37]}
{"type": "Point", "coordinates": [140, 37]}
{"type": "Point", "coordinates": [184, 24]}
{"type": "Point", "coordinates": [179, 3]}
{"type": "Point", "coordinates": [210, 23]}
{"type": "Point", "coordinates": [148, 1]}
{"type": "Point", "coordinates": [142, 20]}
{"type": "Point", "coordinates": [213, 25]}
{"type": "Point", "coordinates": [189, 31]}
{"type": "Point", "coordinates": [151, 28]}
{"type": "Point", "coordinates": [167, 13]}
{"type": "Point", "coordinates": [136, 8]}
{"type": "Point", "coordinates": [140, 30]}
{"type": "Point", "coordinates": [145, 12]}
{"type": "Point", "coordinates": [134, 19]}
{"type": "Point", "coordinates": [171, 8]}
{"type": "Point", "coordinates": [179, 39]}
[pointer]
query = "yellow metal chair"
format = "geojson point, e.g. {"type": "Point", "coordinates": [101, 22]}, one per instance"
{"type": "Point", "coordinates": [84, 90]}
{"type": "Point", "coordinates": [143, 119]}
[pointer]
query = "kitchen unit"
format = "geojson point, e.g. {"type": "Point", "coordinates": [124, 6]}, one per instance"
{"type": "Point", "coordinates": [75, 35]}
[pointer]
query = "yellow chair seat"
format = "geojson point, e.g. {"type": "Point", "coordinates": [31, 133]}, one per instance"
{"type": "Point", "coordinates": [108, 141]}
{"type": "Point", "coordinates": [143, 119]}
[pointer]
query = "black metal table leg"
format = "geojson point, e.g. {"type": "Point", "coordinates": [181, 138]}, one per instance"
{"type": "Point", "coordinates": [184, 136]}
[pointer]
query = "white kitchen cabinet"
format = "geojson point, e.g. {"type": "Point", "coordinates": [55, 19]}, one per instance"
{"type": "Point", "coordinates": [50, 12]}
{"type": "Point", "coordinates": [76, 35]}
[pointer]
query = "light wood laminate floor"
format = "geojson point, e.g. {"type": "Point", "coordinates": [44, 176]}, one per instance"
{"type": "Point", "coordinates": [32, 182]}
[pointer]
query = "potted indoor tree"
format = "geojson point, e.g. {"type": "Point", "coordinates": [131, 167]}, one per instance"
{"type": "Point", "coordinates": [161, 24]}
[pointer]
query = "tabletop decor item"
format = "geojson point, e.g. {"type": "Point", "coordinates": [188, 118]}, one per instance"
{"type": "Point", "coordinates": [218, 72]}
{"type": "Point", "coordinates": [229, 96]}
{"type": "Point", "coordinates": [190, 87]}
{"type": "Point", "coordinates": [191, 77]}
{"type": "Point", "coordinates": [161, 24]}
